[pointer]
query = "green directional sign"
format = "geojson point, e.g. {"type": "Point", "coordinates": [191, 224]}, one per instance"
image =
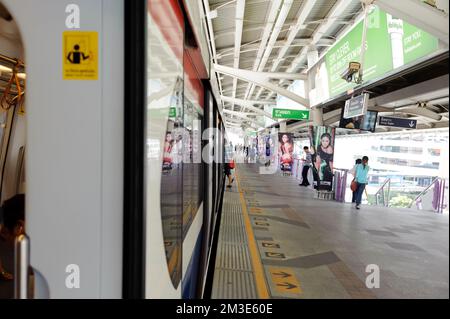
{"type": "Point", "coordinates": [301, 115]}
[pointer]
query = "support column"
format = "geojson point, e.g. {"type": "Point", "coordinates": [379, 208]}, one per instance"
{"type": "Point", "coordinates": [317, 116]}
{"type": "Point", "coordinates": [312, 56]}
{"type": "Point", "coordinates": [283, 128]}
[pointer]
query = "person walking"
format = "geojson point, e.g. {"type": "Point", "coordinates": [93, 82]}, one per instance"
{"type": "Point", "coordinates": [353, 172]}
{"type": "Point", "coordinates": [228, 166]}
{"type": "Point", "coordinates": [361, 178]}
{"type": "Point", "coordinates": [307, 162]}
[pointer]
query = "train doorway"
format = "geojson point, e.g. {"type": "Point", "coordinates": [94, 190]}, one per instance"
{"type": "Point", "coordinates": [12, 146]}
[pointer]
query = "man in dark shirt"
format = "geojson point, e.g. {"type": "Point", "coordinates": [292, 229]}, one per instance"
{"type": "Point", "coordinates": [307, 161]}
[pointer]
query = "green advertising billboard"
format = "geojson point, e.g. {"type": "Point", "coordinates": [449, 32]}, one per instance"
{"type": "Point", "coordinates": [377, 60]}
{"type": "Point", "coordinates": [417, 43]}
{"type": "Point", "coordinates": [390, 43]}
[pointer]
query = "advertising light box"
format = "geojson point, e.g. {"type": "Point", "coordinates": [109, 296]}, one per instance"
{"type": "Point", "coordinates": [378, 56]}
{"type": "Point", "coordinates": [390, 44]}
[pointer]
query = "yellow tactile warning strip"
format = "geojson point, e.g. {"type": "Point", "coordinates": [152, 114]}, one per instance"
{"type": "Point", "coordinates": [285, 281]}
{"type": "Point", "coordinates": [261, 285]}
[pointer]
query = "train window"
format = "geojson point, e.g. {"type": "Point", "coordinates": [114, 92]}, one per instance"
{"type": "Point", "coordinates": [192, 167]}
{"type": "Point", "coordinates": [171, 187]}
{"type": "Point", "coordinates": [164, 167]}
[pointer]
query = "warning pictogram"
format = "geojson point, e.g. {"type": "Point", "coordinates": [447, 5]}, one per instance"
{"type": "Point", "coordinates": [80, 55]}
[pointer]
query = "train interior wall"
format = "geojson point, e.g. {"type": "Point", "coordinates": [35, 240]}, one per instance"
{"type": "Point", "coordinates": [74, 151]}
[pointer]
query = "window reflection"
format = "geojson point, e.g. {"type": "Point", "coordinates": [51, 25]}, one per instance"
{"type": "Point", "coordinates": [192, 173]}
{"type": "Point", "coordinates": [165, 86]}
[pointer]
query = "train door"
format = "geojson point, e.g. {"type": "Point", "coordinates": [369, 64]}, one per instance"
{"type": "Point", "coordinates": [68, 132]}
{"type": "Point", "coordinates": [12, 146]}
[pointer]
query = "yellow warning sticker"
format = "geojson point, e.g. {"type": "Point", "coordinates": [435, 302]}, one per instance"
{"type": "Point", "coordinates": [80, 55]}
{"type": "Point", "coordinates": [285, 280]}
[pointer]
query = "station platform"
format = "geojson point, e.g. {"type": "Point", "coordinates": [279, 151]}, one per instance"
{"type": "Point", "coordinates": [277, 241]}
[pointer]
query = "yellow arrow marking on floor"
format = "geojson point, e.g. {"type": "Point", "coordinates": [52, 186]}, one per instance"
{"type": "Point", "coordinates": [259, 218]}
{"type": "Point", "coordinates": [270, 245]}
{"type": "Point", "coordinates": [285, 280]}
{"type": "Point", "coordinates": [255, 210]}
{"type": "Point", "coordinates": [271, 254]}
{"type": "Point", "coordinates": [262, 223]}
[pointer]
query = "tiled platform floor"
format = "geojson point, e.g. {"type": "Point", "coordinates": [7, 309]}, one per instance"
{"type": "Point", "coordinates": [312, 248]}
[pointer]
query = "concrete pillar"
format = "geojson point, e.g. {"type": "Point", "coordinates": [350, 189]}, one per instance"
{"type": "Point", "coordinates": [317, 116]}
{"type": "Point", "coordinates": [312, 57]}
{"type": "Point", "coordinates": [283, 127]}
{"type": "Point", "coordinates": [273, 130]}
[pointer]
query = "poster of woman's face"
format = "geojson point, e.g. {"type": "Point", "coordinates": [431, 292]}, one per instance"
{"type": "Point", "coordinates": [322, 150]}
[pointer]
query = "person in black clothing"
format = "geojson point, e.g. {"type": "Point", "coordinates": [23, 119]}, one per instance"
{"type": "Point", "coordinates": [324, 158]}
{"type": "Point", "coordinates": [353, 172]}
{"type": "Point", "coordinates": [13, 212]}
{"type": "Point", "coordinates": [307, 162]}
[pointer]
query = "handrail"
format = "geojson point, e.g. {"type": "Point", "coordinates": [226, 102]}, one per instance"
{"type": "Point", "coordinates": [381, 189]}
{"type": "Point", "coordinates": [21, 266]}
{"type": "Point", "coordinates": [12, 61]}
{"type": "Point", "coordinates": [436, 179]}
{"type": "Point", "coordinates": [340, 184]}
{"type": "Point", "coordinates": [382, 186]}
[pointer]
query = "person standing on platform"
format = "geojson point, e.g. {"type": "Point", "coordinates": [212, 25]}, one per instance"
{"type": "Point", "coordinates": [228, 166]}
{"type": "Point", "coordinates": [353, 172]}
{"type": "Point", "coordinates": [361, 178]}
{"type": "Point", "coordinates": [307, 162]}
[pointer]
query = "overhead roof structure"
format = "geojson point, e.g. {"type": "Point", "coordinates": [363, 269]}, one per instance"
{"type": "Point", "coordinates": [254, 41]}
{"type": "Point", "coordinates": [271, 36]}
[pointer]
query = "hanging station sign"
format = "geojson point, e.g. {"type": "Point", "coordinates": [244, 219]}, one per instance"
{"type": "Point", "coordinates": [356, 106]}
{"type": "Point", "coordinates": [301, 115]}
{"type": "Point", "coordinates": [397, 122]}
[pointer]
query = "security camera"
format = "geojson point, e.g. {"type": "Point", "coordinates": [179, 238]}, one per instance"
{"type": "Point", "coordinates": [353, 68]}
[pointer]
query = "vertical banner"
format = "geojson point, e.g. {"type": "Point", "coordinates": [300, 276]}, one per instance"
{"type": "Point", "coordinates": [322, 150]}
{"type": "Point", "coordinates": [286, 151]}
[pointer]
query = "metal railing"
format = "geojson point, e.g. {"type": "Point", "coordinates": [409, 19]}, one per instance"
{"type": "Point", "coordinates": [340, 184]}
{"type": "Point", "coordinates": [21, 267]}
{"type": "Point", "coordinates": [438, 199]}
{"type": "Point", "coordinates": [381, 196]}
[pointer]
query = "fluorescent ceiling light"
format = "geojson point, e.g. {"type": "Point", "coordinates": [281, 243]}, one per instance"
{"type": "Point", "coordinates": [5, 69]}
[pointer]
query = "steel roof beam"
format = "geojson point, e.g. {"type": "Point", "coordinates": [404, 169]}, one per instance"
{"type": "Point", "coordinates": [262, 79]}
{"type": "Point", "coordinates": [240, 10]}
{"type": "Point", "coordinates": [247, 104]}
{"type": "Point", "coordinates": [334, 14]}
{"type": "Point", "coordinates": [263, 47]}
{"type": "Point", "coordinates": [419, 14]}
